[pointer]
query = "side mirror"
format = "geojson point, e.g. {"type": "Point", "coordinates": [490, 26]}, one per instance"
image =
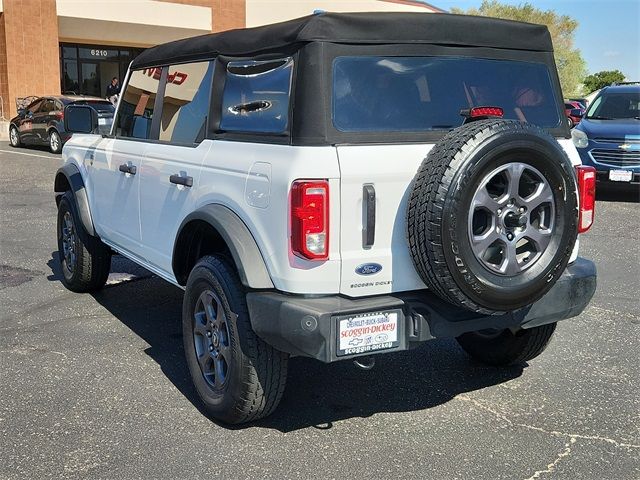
{"type": "Point", "coordinates": [576, 112]}
{"type": "Point", "coordinates": [80, 119]}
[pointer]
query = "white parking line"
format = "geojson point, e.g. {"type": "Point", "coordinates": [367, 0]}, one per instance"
{"type": "Point", "coordinates": [28, 154]}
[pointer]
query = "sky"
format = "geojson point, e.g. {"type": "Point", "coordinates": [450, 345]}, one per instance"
{"type": "Point", "coordinates": [608, 34]}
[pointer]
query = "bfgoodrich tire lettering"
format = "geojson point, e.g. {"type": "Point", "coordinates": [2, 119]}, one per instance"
{"type": "Point", "coordinates": [440, 205]}
{"type": "Point", "coordinates": [248, 384]}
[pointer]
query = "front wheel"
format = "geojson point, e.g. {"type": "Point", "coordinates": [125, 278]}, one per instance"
{"type": "Point", "coordinates": [505, 347]}
{"type": "Point", "coordinates": [238, 377]}
{"type": "Point", "coordinates": [85, 261]}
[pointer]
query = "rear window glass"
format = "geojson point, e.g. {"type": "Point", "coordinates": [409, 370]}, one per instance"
{"type": "Point", "coordinates": [427, 93]}
{"type": "Point", "coordinates": [100, 107]}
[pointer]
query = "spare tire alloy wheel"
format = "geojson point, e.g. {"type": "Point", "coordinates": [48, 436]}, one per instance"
{"type": "Point", "coordinates": [492, 215]}
{"type": "Point", "coordinates": [512, 218]}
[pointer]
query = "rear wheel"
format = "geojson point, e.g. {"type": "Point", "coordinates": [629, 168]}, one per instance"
{"type": "Point", "coordinates": [238, 377]}
{"type": "Point", "coordinates": [85, 261]}
{"type": "Point", "coordinates": [506, 347]}
{"type": "Point", "coordinates": [55, 142]}
{"type": "Point", "coordinates": [14, 136]}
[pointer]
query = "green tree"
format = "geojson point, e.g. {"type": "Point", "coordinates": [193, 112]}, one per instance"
{"type": "Point", "coordinates": [602, 79]}
{"type": "Point", "coordinates": [571, 65]}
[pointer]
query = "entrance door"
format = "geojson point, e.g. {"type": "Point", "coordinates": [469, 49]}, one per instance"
{"type": "Point", "coordinates": [90, 78]}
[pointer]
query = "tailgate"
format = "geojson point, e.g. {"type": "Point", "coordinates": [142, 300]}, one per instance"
{"type": "Point", "coordinates": [389, 169]}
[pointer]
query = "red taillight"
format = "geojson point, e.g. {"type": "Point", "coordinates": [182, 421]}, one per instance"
{"type": "Point", "coordinates": [310, 219]}
{"type": "Point", "coordinates": [483, 112]}
{"type": "Point", "coordinates": [587, 194]}
{"type": "Point", "coordinates": [59, 115]}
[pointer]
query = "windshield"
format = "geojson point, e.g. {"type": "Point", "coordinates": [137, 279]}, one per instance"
{"type": "Point", "coordinates": [611, 106]}
{"type": "Point", "coordinates": [427, 93]}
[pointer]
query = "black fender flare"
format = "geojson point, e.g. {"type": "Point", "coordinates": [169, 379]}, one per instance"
{"type": "Point", "coordinates": [242, 246]}
{"type": "Point", "coordinates": [74, 180]}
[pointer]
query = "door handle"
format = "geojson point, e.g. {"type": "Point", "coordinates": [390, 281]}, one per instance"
{"type": "Point", "coordinates": [124, 168]}
{"type": "Point", "coordinates": [179, 180]}
{"type": "Point", "coordinates": [369, 214]}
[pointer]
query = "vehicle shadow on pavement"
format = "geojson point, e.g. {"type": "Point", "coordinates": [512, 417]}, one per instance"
{"type": "Point", "coordinates": [317, 394]}
{"type": "Point", "coordinates": [617, 193]}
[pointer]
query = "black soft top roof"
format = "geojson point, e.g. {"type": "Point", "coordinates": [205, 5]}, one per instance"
{"type": "Point", "coordinates": [355, 28]}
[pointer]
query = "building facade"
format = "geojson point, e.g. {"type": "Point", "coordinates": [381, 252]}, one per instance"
{"type": "Point", "coordinates": [49, 47]}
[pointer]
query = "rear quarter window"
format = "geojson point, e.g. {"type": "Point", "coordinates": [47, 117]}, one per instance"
{"type": "Point", "coordinates": [256, 96]}
{"type": "Point", "coordinates": [427, 93]}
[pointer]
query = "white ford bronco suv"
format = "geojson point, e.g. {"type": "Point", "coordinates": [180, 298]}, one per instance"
{"type": "Point", "coordinates": [337, 186]}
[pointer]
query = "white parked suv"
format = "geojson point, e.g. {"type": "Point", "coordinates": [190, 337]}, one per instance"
{"type": "Point", "coordinates": [334, 187]}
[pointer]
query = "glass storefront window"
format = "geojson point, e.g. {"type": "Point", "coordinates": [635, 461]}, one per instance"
{"type": "Point", "coordinates": [70, 76]}
{"type": "Point", "coordinates": [70, 52]}
{"type": "Point", "coordinates": [88, 69]}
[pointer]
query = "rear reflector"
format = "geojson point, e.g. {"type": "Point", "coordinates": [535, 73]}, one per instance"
{"type": "Point", "coordinates": [310, 219]}
{"type": "Point", "coordinates": [587, 194]}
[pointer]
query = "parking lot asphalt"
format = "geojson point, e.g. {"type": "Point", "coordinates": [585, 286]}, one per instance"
{"type": "Point", "coordinates": [95, 386]}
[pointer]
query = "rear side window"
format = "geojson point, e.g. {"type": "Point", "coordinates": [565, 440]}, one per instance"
{"type": "Point", "coordinates": [185, 107]}
{"type": "Point", "coordinates": [34, 106]}
{"type": "Point", "coordinates": [256, 96]}
{"type": "Point", "coordinates": [48, 106]}
{"type": "Point", "coordinates": [135, 112]}
{"type": "Point", "coordinates": [427, 93]}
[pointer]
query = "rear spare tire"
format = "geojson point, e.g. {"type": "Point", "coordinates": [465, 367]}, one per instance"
{"type": "Point", "coordinates": [492, 215]}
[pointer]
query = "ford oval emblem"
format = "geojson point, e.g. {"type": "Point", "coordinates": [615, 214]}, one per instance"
{"type": "Point", "coordinates": [368, 268]}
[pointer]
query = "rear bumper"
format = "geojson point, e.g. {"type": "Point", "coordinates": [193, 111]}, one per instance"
{"type": "Point", "coordinates": [304, 326]}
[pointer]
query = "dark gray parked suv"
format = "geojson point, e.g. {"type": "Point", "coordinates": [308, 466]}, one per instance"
{"type": "Point", "coordinates": [42, 121]}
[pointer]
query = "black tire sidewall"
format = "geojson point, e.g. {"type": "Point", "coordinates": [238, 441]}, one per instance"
{"type": "Point", "coordinates": [67, 204]}
{"type": "Point", "coordinates": [204, 277]}
{"type": "Point", "coordinates": [477, 282]}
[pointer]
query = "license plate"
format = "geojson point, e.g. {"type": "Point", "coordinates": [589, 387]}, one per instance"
{"type": "Point", "coordinates": [368, 332]}
{"type": "Point", "coordinates": [620, 175]}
